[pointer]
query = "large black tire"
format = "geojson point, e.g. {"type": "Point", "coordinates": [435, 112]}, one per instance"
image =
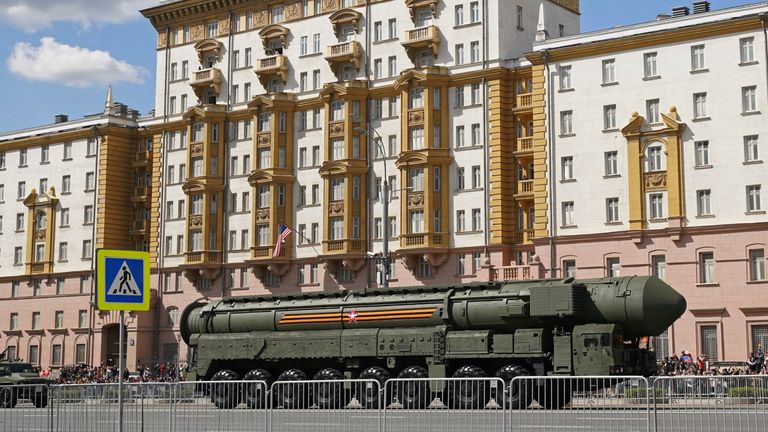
{"type": "Point", "coordinates": [554, 393]}
{"type": "Point", "coordinates": [288, 395]}
{"type": "Point", "coordinates": [519, 395]}
{"type": "Point", "coordinates": [413, 394]}
{"type": "Point", "coordinates": [328, 395]}
{"type": "Point", "coordinates": [468, 394]}
{"type": "Point", "coordinates": [256, 393]}
{"type": "Point", "coordinates": [40, 399]}
{"type": "Point", "coordinates": [225, 395]}
{"type": "Point", "coordinates": [8, 397]}
{"type": "Point", "coordinates": [372, 396]}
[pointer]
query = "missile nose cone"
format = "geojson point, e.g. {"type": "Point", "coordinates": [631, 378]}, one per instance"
{"type": "Point", "coordinates": [661, 305]}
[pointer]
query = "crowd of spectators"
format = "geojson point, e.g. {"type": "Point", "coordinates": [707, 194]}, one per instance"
{"type": "Point", "coordinates": [108, 373]}
{"type": "Point", "coordinates": [688, 364]}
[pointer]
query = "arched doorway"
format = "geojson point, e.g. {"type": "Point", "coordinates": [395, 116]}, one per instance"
{"type": "Point", "coordinates": [110, 343]}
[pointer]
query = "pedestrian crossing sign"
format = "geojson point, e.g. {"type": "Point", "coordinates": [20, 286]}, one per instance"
{"type": "Point", "coordinates": [122, 280]}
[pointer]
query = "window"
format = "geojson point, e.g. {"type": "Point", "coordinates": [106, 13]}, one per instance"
{"type": "Point", "coordinates": [392, 227]}
{"type": "Point", "coordinates": [706, 267]}
{"type": "Point", "coordinates": [568, 210]}
{"type": "Point", "coordinates": [757, 265]}
{"type": "Point", "coordinates": [753, 198]}
{"type": "Point", "coordinates": [20, 221]}
{"type": "Point", "coordinates": [67, 154]}
{"type": "Point", "coordinates": [58, 319]}
{"type": "Point", "coordinates": [277, 14]}
{"type": "Point", "coordinates": [39, 252]}
{"type": "Point", "coordinates": [702, 153]}
{"type": "Point", "coordinates": [21, 190]}
{"type": "Point", "coordinates": [612, 210]}
{"type": "Point", "coordinates": [474, 12]}
{"type": "Point", "coordinates": [460, 178]}
{"type": "Point", "coordinates": [751, 153]}
{"type": "Point", "coordinates": [417, 138]}
{"type": "Point", "coordinates": [566, 168]}
{"type": "Point", "coordinates": [213, 28]}
{"type": "Point", "coordinates": [654, 161]}
{"type": "Point", "coordinates": [87, 250]}
{"type": "Point", "coordinates": [613, 267]}
{"type": "Point", "coordinates": [459, 96]}
{"type": "Point", "coordinates": [337, 189]}
{"type": "Point", "coordinates": [709, 342]}
{"type": "Point", "coordinates": [476, 184]}
{"type": "Point", "coordinates": [476, 134]}
{"type": "Point", "coordinates": [474, 53]}
{"type": "Point", "coordinates": [520, 18]}
{"type": "Point", "coordinates": [703, 199]}
{"type": "Point", "coordinates": [64, 217]}
{"type": "Point", "coordinates": [697, 58]}
{"type": "Point", "coordinates": [609, 75]}
{"type": "Point", "coordinates": [436, 180]}
{"type": "Point", "coordinates": [747, 50]}
{"type": "Point", "coordinates": [22, 158]}
{"type": "Point", "coordinates": [459, 138]}
{"type": "Point", "coordinates": [63, 251]}
{"type": "Point", "coordinates": [566, 122]}
{"type": "Point", "coordinates": [657, 206]}
{"type": "Point", "coordinates": [337, 228]}
{"type": "Point", "coordinates": [565, 78]}
{"type": "Point", "coordinates": [609, 117]}
{"type": "Point", "coordinates": [475, 94]}
{"type": "Point", "coordinates": [652, 111]}
{"type": "Point", "coordinates": [315, 194]}
{"type": "Point", "coordinates": [316, 43]}
{"type": "Point", "coordinates": [14, 321]}
{"type": "Point", "coordinates": [459, 54]}
{"type": "Point", "coordinates": [185, 69]}
{"type": "Point", "coordinates": [377, 31]}
{"type": "Point", "coordinates": [392, 145]}
{"type": "Point", "coordinates": [699, 105]}
{"type": "Point", "coordinates": [611, 163]}
{"type": "Point", "coordinates": [569, 268]}
{"type": "Point", "coordinates": [2, 156]}
{"type": "Point", "coordinates": [461, 223]}
{"type": "Point", "coordinates": [392, 66]}
{"type": "Point", "coordinates": [416, 98]}
{"type": "Point", "coordinates": [416, 218]}
{"type": "Point", "coordinates": [476, 222]}
{"type": "Point", "coordinates": [416, 179]}
{"type": "Point", "coordinates": [44, 154]}
{"type": "Point", "coordinates": [459, 15]}
{"type": "Point", "coordinates": [748, 99]}
{"type": "Point", "coordinates": [59, 286]}
{"type": "Point", "coordinates": [90, 181]}
{"type": "Point", "coordinates": [197, 132]}
{"type": "Point", "coordinates": [649, 65]}
{"type": "Point", "coordinates": [659, 266]}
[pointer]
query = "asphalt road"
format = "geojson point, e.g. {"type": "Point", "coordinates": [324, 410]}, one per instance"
{"type": "Point", "coordinates": [204, 417]}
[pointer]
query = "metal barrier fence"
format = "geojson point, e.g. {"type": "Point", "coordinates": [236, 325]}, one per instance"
{"type": "Point", "coordinates": [663, 404]}
{"type": "Point", "coordinates": [579, 403]}
{"type": "Point", "coordinates": [444, 404]}
{"type": "Point", "coordinates": [702, 403]}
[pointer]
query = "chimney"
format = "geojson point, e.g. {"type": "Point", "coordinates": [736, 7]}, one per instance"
{"type": "Point", "coordinates": [680, 11]}
{"type": "Point", "coordinates": [663, 16]}
{"type": "Point", "coordinates": [60, 118]}
{"type": "Point", "coordinates": [700, 7]}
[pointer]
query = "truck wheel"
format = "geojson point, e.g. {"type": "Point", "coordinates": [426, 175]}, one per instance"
{"type": "Point", "coordinates": [328, 394]}
{"type": "Point", "coordinates": [517, 394]}
{"type": "Point", "coordinates": [256, 393]}
{"type": "Point", "coordinates": [290, 394]}
{"type": "Point", "coordinates": [468, 394]}
{"type": "Point", "coordinates": [412, 392]}
{"type": "Point", "coordinates": [40, 399]}
{"type": "Point", "coordinates": [370, 395]}
{"type": "Point", "coordinates": [225, 395]}
{"type": "Point", "coordinates": [7, 397]}
{"type": "Point", "coordinates": [554, 393]}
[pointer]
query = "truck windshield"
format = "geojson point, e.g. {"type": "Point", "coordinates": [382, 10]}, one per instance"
{"type": "Point", "coordinates": [19, 368]}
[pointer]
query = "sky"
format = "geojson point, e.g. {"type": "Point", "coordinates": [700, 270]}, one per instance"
{"type": "Point", "coordinates": [58, 56]}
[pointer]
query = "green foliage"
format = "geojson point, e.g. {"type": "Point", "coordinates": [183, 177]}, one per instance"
{"type": "Point", "coordinates": [748, 392]}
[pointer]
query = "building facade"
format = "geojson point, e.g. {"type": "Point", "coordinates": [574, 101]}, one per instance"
{"type": "Point", "coordinates": [661, 172]}
{"type": "Point", "coordinates": [282, 114]}
{"type": "Point", "coordinates": [513, 147]}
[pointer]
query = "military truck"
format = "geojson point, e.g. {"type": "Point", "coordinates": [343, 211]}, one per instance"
{"type": "Point", "coordinates": [506, 329]}
{"type": "Point", "coordinates": [20, 380]}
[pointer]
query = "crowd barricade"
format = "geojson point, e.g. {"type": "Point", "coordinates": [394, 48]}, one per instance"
{"type": "Point", "coordinates": [579, 403]}
{"type": "Point", "coordinates": [219, 406]}
{"type": "Point", "coordinates": [716, 402]}
{"type": "Point", "coordinates": [444, 404]}
{"type": "Point", "coordinates": [325, 405]}
{"type": "Point", "coordinates": [24, 407]}
{"type": "Point", "coordinates": [660, 404]}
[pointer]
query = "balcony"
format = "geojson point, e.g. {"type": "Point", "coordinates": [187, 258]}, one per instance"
{"type": "Point", "coordinates": [339, 54]}
{"type": "Point", "coordinates": [422, 38]}
{"type": "Point", "coordinates": [141, 160]}
{"type": "Point", "coordinates": [139, 194]}
{"type": "Point", "coordinates": [271, 67]}
{"type": "Point", "coordinates": [524, 146]}
{"type": "Point", "coordinates": [423, 240]}
{"type": "Point", "coordinates": [206, 79]}
{"type": "Point", "coordinates": [525, 236]}
{"type": "Point", "coordinates": [205, 264]}
{"type": "Point", "coordinates": [524, 100]}
{"type": "Point", "coordinates": [524, 189]}
{"type": "Point", "coordinates": [38, 268]}
{"type": "Point", "coordinates": [344, 246]}
{"type": "Point", "coordinates": [138, 228]}
{"type": "Point", "coordinates": [515, 272]}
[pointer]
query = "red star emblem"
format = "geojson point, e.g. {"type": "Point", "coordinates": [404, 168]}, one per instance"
{"type": "Point", "coordinates": [352, 316]}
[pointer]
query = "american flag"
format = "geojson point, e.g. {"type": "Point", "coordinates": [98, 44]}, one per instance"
{"type": "Point", "coordinates": [284, 233]}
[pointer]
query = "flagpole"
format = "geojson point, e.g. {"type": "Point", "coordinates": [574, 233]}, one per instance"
{"type": "Point", "coordinates": [299, 233]}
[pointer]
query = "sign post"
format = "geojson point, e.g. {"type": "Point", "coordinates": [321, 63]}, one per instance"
{"type": "Point", "coordinates": [122, 284]}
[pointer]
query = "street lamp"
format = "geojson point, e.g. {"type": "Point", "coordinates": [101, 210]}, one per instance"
{"type": "Point", "coordinates": [385, 200]}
